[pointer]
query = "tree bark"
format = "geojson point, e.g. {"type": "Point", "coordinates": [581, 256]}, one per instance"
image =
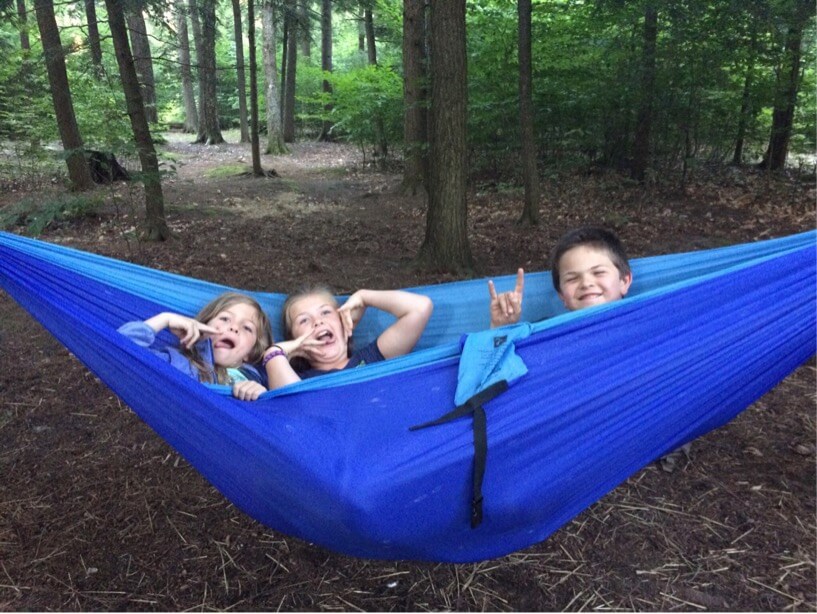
{"type": "Point", "coordinates": [275, 138]}
{"type": "Point", "coordinates": [240, 76]}
{"type": "Point", "coordinates": [641, 144]}
{"type": "Point", "coordinates": [326, 64]}
{"type": "Point", "coordinates": [530, 211]}
{"type": "Point", "coordinates": [209, 128]}
{"type": "Point", "coordinates": [368, 24]}
{"type": "Point", "coordinates": [446, 239]}
{"type": "Point", "coordinates": [292, 62]}
{"type": "Point", "coordinates": [304, 29]}
{"type": "Point", "coordinates": [143, 60]}
{"type": "Point", "coordinates": [746, 100]}
{"type": "Point", "coordinates": [788, 85]}
{"type": "Point", "coordinates": [155, 228]}
{"type": "Point", "coordinates": [195, 23]}
{"type": "Point", "coordinates": [93, 36]}
{"type": "Point", "coordinates": [78, 172]}
{"type": "Point", "coordinates": [22, 18]}
{"type": "Point", "coordinates": [415, 97]}
{"type": "Point", "coordinates": [191, 115]}
{"type": "Point", "coordinates": [255, 146]}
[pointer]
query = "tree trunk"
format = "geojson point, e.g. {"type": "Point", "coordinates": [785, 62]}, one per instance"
{"type": "Point", "coordinates": [368, 23]}
{"type": "Point", "coordinates": [446, 240]}
{"type": "Point", "coordinates": [22, 18]}
{"type": "Point", "coordinates": [530, 211]}
{"type": "Point", "coordinates": [284, 46]}
{"type": "Point", "coordinates": [641, 144]}
{"type": "Point", "coordinates": [240, 78]}
{"type": "Point", "coordinates": [78, 172]}
{"type": "Point", "coordinates": [93, 36]}
{"type": "Point", "coordinates": [255, 146]}
{"type": "Point", "coordinates": [746, 101]}
{"type": "Point", "coordinates": [155, 224]}
{"type": "Point", "coordinates": [143, 61]}
{"type": "Point", "coordinates": [326, 64]}
{"type": "Point", "coordinates": [191, 116]}
{"type": "Point", "coordinates": [275, 138]}
{"type": "Point", "coordinates": [415, 97]}
{"type": "Point", "coordinates": [195, 23]}
{"type": "Point", "coordinates": [788, 85]}
{"type": "Point", "coordinates": [292, 61]}
{"type": "Point", "coordinates": [209, 128]}
{"type": "Point", "coordinates": [304, 29]}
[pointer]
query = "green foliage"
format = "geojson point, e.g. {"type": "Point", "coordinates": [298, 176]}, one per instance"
{"type": "Point", "coordinates": [36, 216]}
{"type": "Point", "coordinates": [363, 97]}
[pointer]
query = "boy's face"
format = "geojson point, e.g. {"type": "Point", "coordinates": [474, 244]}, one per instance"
{"type": "Point", "coordinates": [588, 277]}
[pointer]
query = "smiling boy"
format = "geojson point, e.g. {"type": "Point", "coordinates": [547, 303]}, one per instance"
{"type": "Point", "coordinates": [590, 268]}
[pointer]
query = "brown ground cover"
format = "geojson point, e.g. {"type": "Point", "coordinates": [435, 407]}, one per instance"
{"type": "Point", "coordinates": [98, 513]}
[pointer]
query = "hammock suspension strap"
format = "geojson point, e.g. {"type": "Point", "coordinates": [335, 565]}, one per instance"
{"type": "Point", "coordinates": [474, 406]}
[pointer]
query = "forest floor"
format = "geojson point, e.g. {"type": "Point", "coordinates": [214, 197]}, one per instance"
{"type": "Point", "coordinates": [98, 513]}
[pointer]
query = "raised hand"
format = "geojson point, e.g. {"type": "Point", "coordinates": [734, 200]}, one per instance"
{"type": "Point", "coordinates": [506, 308]}
{"type": "Point", "coordinates": [351, 312]}
{"type": "Point", "coordinates": [188, 330]}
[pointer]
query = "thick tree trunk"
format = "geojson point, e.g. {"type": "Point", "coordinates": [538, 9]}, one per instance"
{"type": "Point", "coordinates": [275, 138]}
{"type": "Point", "coordinates": [788, 85]}
{"type": "Point", "coordinates": [530, 211]}
{"type": "Point", "coordinates": [326, 64]}
{"type": "Point", "coordinates": [240, 76]}
{"type": "Point", "coordinates": [78, 172]}
{"type": "Point", "coordinates": [191, 115]}
{"type": "Point", "coordinates": [209, 128]}
{"type": "Point", "coordinates": [143, 61]}
{"type": "Point", "coordinates": [22, 18]}
{"type": "Point", "coordinates": [155, 224]}
{"type": "Point", "coordinates": [292, 62]}
{"type": "Point", "coordinates": [446, 239]}
{"type": "Point", "coordinates": [641, 144]}
{"type": "Point", "coordinates": [93, 36]}
{"type": "Point", "coordinates": [415, 117]}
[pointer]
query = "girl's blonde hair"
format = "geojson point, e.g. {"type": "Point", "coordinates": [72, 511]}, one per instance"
{"type": "Point", "coordinates": [211, 310]}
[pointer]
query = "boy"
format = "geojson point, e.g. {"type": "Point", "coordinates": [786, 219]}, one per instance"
{"type": "Point", "coordinates": [590, 268]}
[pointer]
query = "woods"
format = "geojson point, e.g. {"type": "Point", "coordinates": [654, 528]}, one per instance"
{"type": "Point", "coordinates": [654, 90]}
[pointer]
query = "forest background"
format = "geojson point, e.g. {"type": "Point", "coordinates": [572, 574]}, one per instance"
{"type": "Point", "coordinates": [516, 91]}
{"type": "Point", "coordinates": [683, 125]}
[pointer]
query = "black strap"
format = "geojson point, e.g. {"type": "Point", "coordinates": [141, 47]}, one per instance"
{"type": "Point", "coordinates": [474, 406]}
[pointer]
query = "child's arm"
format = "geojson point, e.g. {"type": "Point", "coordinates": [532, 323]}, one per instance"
{"type": "Point", "coordinates": [277, 356]}
{"type": "Point", "coordinates": [411, 310]}
{"type": "Point", "coordinates": [188, 330]}
{"type": "Point", "coordinates": [506, 308]}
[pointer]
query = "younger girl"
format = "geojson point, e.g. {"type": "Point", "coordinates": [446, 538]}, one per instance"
{"type": "Point", "coordinates": [217, 346]}
{"type": "Point", "coordinates": [319, 332]}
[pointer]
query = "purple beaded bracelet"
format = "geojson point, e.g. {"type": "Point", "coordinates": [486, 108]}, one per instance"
{"type": "Point", "coordinates": [275, 352]}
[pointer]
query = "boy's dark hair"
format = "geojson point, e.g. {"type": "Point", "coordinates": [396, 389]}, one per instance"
{"type": "Point", "coordinates": [591, 236]}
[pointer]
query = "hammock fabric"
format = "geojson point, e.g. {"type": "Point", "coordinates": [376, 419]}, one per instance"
{"type": "Point", "coordinates": [332, 460]}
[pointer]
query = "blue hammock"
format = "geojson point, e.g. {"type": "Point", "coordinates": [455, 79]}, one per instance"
{"type": "Point", "coordinates": [598, 394]}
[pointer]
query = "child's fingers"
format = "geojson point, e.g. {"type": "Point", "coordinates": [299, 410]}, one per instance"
{"type": "Point", "coordinates": [520, 281]}
{"type": "Point", "coordinates": [492, 290]}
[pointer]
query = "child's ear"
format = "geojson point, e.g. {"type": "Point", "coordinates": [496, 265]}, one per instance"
{"type": "Point", "coordinates": [626, 281]}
